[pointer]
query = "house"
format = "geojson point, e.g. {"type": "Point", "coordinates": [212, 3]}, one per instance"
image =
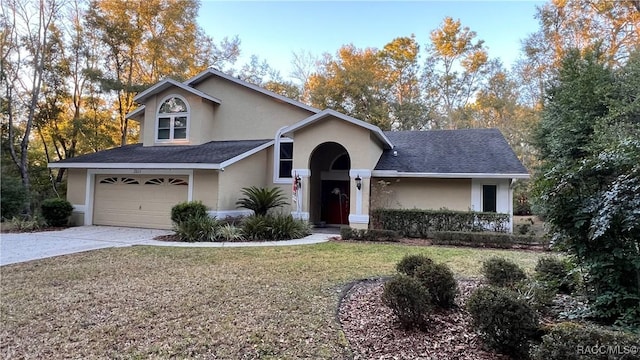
{"type": "Point", "coordinates": [208, 137]}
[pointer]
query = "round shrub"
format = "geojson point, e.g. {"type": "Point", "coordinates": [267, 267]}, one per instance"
{"type": "Point", "coordinates": [502, 272]}
{"type": "Point", "coordinates": [556, 272]}
{"type": "Point", "coordinates": [439, 281]}
{"type": "Point", "coordinates": [565, 341]}
{"type": "Point", "coordinates": [408, 299]}
{"type": "Point", "coordinates": [13, 197]}
{"type": "Point", "coordinates": [410, 263]}
{"type": "Point", "coordinates": [186, 210]}
{"type": "Point", "coordinates": [505, 322]}
{"type": "Point", "coordinates": [56, 211]}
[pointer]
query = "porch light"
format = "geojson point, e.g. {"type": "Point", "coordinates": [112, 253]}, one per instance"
{"type": "Point", "coordinates": [298, 182]}
{"type": "Point", "coordinates": [358, 182]}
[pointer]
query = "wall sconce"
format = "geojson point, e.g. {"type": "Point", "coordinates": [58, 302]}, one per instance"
{"type": "Point", "coordinates": [298, 182]}
{"type": "Point", "coordinates": [358, 182]}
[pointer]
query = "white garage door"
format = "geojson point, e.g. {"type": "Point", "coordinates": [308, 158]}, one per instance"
{"type": "Point", "coordinates": [138, 200]}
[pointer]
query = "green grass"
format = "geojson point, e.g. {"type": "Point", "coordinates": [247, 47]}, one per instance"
{"type": "Point", "coordinates": [155, 302]}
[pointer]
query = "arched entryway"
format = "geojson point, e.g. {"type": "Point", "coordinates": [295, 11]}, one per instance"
{"type": "Point", "coordinates": [330, 190]}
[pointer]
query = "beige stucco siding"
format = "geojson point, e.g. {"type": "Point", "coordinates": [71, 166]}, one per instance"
{"type": "Point", "coordinates": [244, 173]}
{"type": "Point", "coordinates": [246, 114]}
{"type": "Point", "coordinates": [410, 193]}
{"type": "Point", "coordinates": [76, 194]}
{"type": "Point", "coordinates": [205, 187]}
{"type": "Point", "coordinates": [201, 114]}
{"type": "Point", "coordinates": [356, 140]}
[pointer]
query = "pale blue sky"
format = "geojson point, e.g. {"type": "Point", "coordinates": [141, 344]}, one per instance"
{"type": "Point", "coordinates": [273, 30]}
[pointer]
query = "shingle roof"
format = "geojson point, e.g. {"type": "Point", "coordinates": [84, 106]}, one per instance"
{"type": "Point", "coordinates": [214, 152]}
{"type": "Point", "coordinates": [468, 151]}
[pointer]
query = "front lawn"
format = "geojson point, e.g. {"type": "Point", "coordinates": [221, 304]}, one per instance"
{"type": "Point", "coordinates": [156, 302]}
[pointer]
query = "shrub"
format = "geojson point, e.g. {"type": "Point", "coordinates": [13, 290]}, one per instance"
{"type": "Point", "coordinates": [439, 281]}
{"type": "Point", "coordinates": [410, 263]}
{"type": "Point", "coordinates": [557, 273]}
{"type": "Point", "coordinates": [261, 200]}
{"type": "Point", "coordinates": [228, 232]}
{"type": "Point", "coordinates": [484, 239]}
{"type": "Point", "coordinates": [420, 223]}
{"type": "Point", "coordinates": [538, 294]}
{"type": "Point", "coordinates": [56, 211]}
{"type": "Point", "coordinates": [348, 233]}
{"type": "Point", "coordinates": [255, 227]}
{"type": "Point", "coordinates": [13, 197]}
{"type": "Point", "coordinates": [505, 322]}
{"type": "Point", "coordinates": [22, 224]}
{"type": "Point", "coordinates": [570, 341]}
{"type": "Point", "coordinates": [408, 299]}
{"type": "Point", "coordinates": [282, 227]}
{"type": "Point", "coordinates": [186, 210]}
{"type": "Point", "coordinates": [196, 228]}
{"type": "Point", "coordinates": [502, 272]}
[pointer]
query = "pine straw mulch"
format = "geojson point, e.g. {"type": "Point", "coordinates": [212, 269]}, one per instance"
{"type": "Point", "coordinates": [373, 332]}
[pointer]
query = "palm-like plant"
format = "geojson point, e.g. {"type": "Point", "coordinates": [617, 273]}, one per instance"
{"type": "Point", "coordinates": [260, 200]}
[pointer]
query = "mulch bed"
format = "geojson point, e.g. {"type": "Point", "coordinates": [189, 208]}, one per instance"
{"type": "Point", "coordinates": [373, 332]}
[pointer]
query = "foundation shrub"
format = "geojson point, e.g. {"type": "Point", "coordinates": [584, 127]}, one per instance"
{"type": "Point", "coordinates": [410, 263]}
{"type": "Point", "coordinates": [348, 233]}
{"type": "Point", "coordinates": [56, 211]}
{"type": "Point", "coordinates": [196, 228]}
{"type": "Point", "coordinates": [502, 272]}
{"type": "Point", "coordinates": [409, 300]}
{"type": "Point", "coordinates": [273, 227]}
{"type": "Point", "coordinates": [229, 232]}
{"type": "Point", "coordinates": [186, 210]}
{"type": "Point", "coordinates": [571, 341]}
{"type": "Point", "coordinates": [505, 322]}
{"type": "Point", "coordinates": [439, 281]}
{"type": "Point", "coordinates": [484, 239]}
{"type": "Point", "coordinates": [419, 223]}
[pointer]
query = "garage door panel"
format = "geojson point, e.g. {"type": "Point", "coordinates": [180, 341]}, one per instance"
{"type": "Point", "coordinates": [138, 201]}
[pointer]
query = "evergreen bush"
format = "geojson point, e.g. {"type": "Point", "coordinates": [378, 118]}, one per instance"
{"type": "Point", "coordinates": [186, 210]}
{"type": "Point", "coordinates": [557, 273]}
{"type": "Point", "coordinates": [439, 281]}
{"type": "Point", "coordinates": [502, 272]}
{"type": "Point", "coordinates": [410, 263]}
{"type": "Point", "coordinates": [196, 228]}
{"type": "Point", "coordinates": [56, 211]}
{"type": "Point", "coordinates": [13, 197]}
{"type": "Point", "coordinates": [505, 322]}
{"type": "Point", "coordinates": [408, 299]}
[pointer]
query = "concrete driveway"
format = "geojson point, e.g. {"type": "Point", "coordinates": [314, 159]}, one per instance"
{"type": "Point", "coordinates": [15, 248]}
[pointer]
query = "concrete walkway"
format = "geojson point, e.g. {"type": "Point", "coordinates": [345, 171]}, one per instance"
{"type": "Point", "coordinates": [21, 247]}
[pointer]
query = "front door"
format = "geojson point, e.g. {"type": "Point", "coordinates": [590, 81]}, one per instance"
{"type": "Point", "coordinates": [335, 202]}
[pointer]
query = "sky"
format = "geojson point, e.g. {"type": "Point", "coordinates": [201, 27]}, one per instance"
{"type": "Point", "coordinates": [273, 30]}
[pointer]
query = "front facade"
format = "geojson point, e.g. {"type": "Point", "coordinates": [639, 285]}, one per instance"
{"type": "Point", "coordinates": [207, 138]}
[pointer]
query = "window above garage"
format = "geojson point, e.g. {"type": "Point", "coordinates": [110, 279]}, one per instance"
{"type": "Point", "coordinates": [172, 124]}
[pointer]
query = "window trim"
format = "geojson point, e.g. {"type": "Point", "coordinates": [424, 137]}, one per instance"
{"type": "Point", "coordinates": [276, 158]}
{"type": "Point", "coordinates": [171, 139]}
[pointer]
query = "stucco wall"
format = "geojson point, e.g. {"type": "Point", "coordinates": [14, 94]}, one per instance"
{"type": "Point", "coordinates": [356, 140]}
{"type": "Point", "coordinates": [200, 118]}
{"type": "Point", "coordinates": [409, 193]}
{"type": "Point", "coordinates": [246, 114]}
{"type": "Point", "coordinates": [76, 194]}
{"type": "Point", "coordinates": [205, 187]}
{"type": "Point", "coordinates": [247, 172]}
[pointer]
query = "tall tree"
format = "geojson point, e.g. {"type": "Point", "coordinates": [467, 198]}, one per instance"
{"type": "Point", "coordinates": [355, 83]}
{"type": "Point", "coordinates": [456, 65]}
{"type": "Point", "coordinates": [400, 59]}
{"type": "Point", "coordinates": [613, 27]}
{"type": "Point", "coordinates": [145, 41]}
{"type": "Point", "coordinates": [25, 53]}
{"type": "Point", "coordinates": [589, 183]}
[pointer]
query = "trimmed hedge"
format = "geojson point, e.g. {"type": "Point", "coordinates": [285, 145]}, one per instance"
{"type": "Point", "coordinates": [347, 233]}
{"type": "Point", "coordinates": [420, 223]}
{"type": "Point", "coordinates": [56, 211]}
{"type": "Point", "coordinates": [570, 341]}
{"type": "Point", "coordinates": [484, 239]}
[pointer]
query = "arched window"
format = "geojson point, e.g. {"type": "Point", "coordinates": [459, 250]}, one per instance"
{"type": "Point", "coordinates": [173, 119]}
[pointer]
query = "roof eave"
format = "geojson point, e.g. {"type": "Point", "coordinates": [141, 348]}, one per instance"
{"type": "Point", "coordinates": [63, 165]}
{"type": "Point", "coordinates": [394, 173]}
{"type": "Point", "coordinates": [167, 83]}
